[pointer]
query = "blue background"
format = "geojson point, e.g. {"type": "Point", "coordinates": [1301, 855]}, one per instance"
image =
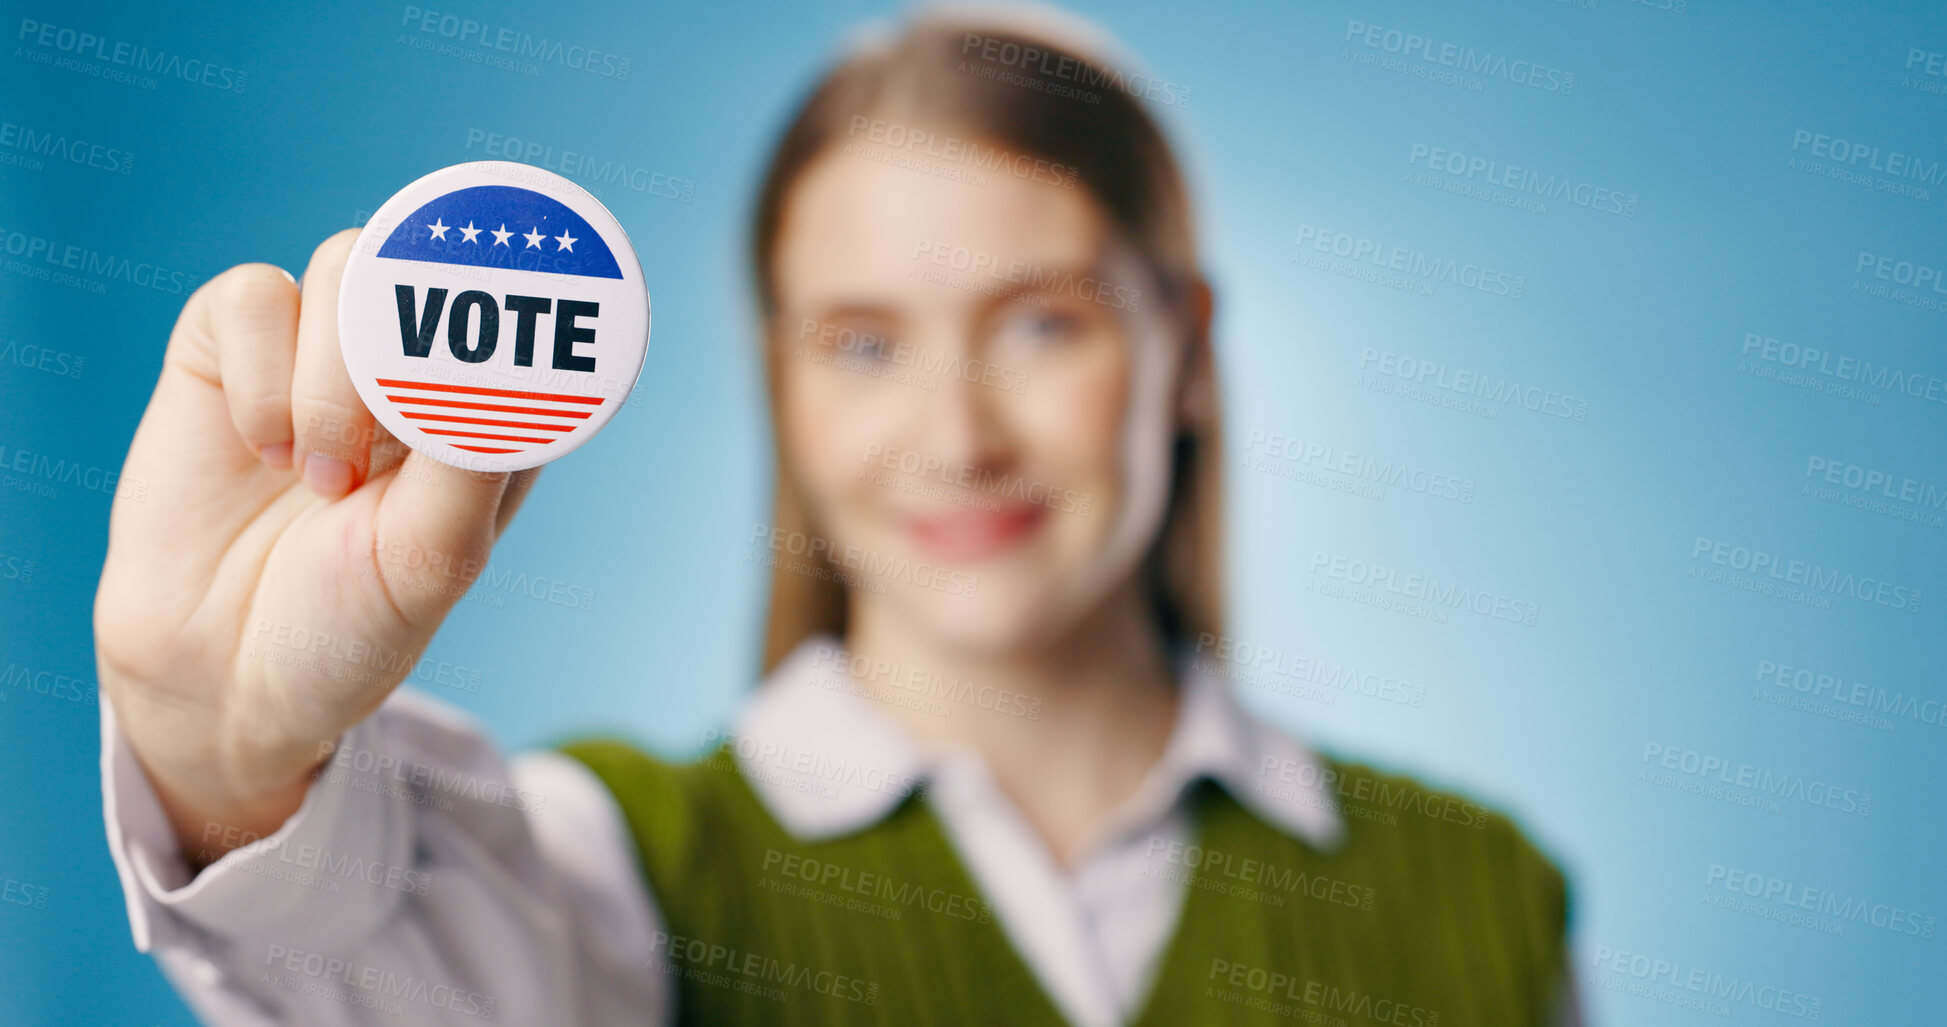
{"type": "Point", "coordinates": [1593, 521]}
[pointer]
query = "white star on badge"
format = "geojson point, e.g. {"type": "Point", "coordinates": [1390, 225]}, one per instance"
{"type": "Point", "coordinates": [533, 237]}
{"type": "Point", "coordinates": [501, 234]}
{"type": "Point", "coordinates": [469, 231]}
{"type": "Point", "coordinates": [439, 228]}
{"type": "Point", "coordinates": [564, 241]}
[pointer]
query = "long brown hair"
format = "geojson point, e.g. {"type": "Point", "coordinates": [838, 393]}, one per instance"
{"type": "Point", "coordinates": [1033, 95]}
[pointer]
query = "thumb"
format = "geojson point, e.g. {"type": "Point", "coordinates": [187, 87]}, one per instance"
{"type": "Point", "coordinates": [433, 532]}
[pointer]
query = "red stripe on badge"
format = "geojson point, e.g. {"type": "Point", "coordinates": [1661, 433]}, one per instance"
{"type": "Point", "coordinates": [446, 412]}
{"type": "Point", "coordinates": [502, 407]}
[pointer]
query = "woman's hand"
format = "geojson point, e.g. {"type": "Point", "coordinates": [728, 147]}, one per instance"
{"type": "Point", "coordinates": [288, 560]}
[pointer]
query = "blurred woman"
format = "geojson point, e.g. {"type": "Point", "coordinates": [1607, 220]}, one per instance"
{"type": "Point", "coordinates": [993, 774]}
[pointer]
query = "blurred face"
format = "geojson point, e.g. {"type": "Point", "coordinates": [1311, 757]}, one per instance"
{"type": "Point", "coordinates": [977, 392]}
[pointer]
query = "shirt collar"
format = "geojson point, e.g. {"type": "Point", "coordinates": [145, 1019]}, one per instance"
{"type": "Point", "coordinates": [826, 761]}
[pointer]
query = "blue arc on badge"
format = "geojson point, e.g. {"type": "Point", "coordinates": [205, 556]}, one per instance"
{"type": "Point", "coordinates": [502, 226]}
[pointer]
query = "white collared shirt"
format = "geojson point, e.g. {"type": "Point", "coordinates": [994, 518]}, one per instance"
{"type": "Point", "coordinates": [513, 887]}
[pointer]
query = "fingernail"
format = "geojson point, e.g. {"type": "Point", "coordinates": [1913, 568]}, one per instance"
{"type": "Point", "coordinates": [277, 455]}
{"type": "Point", "coordinates": [327, 477]}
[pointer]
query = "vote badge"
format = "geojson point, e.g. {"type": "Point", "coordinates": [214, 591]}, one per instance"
{"type": "Point", "coordinates": [493, 316]}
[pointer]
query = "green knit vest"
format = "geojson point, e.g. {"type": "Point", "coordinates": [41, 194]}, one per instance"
{"type": "Point", "coordinates": [1432, 912]}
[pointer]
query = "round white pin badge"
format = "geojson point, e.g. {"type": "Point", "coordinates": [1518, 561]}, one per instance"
{"type": "Point", "coordinates": [493, 316]}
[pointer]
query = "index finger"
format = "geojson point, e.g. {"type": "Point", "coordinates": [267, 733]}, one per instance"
{"type": "Point", "coordinates": [334, 430]}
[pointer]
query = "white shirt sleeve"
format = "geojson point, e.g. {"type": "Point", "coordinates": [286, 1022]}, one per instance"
{"type": "Point", "coordinates": [423, 880]}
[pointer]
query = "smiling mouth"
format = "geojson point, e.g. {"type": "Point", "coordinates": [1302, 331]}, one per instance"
{"type": "Point", "coordinates": [972, 534]}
